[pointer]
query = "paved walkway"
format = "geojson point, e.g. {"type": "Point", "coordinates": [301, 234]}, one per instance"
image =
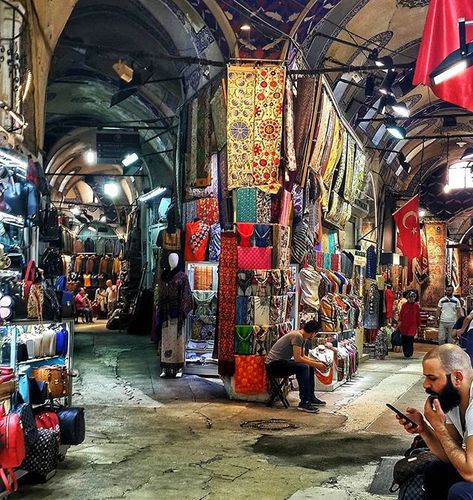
{"type": "Point", "coordinates": [155, 438]}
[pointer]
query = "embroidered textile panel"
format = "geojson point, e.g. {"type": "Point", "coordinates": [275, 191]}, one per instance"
{"type": "Point", "coordinates": [191, 164]}
{"type": "Point", "coordinates": [246, 204]}
{"type": "Point", "coordinates": [250, 374]}
{"type": "Point", "coordinates": [289, 128]}
{"type": "Point", "coordinates": [219, 116]}
{"type": "Point", "coordinates": [436, 234]}
{"type": "Point", "coordinates": [227, 303]}
{"type": "Point", "coordinates": [203, 140]}
{"type": "Point", "coordinates": [254, 126]}
{"type": "Point", "coordinates": [240, 129]}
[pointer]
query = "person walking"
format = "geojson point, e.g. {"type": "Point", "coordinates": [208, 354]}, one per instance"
{"type": "Point", "coordinates": [409, 323]}
{"type": "Point", "coordinates": [287, 357]}
{"type": "Point", "coordinates": [448, 311]}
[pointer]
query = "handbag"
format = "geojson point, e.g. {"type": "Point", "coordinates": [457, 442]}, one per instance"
{"type": "Point", "coordinates": [57, 378]}
{"type": "Point", "coordinates": [43, 456]}
{"type": "Point", "coordinates": [396, 338]}
{"type": "Point", "coordinates": [38, 391]}
{"type": "Point", "coordinates": [254, 257]}
{"type": "Point", "coordinates": [25, 412]}
{"type": "Point", "coordinates": [408, 474]}
{"type": "Point", "coordinates": [48, 420]}
{"type": "Point", "coordinates": [35, 301]}
{"type": "Point", "coordinates": [29, 279]}
{"type": "Point", "coordinates": [21, 352]}
{"type": "Point", "coordinates": [72, 425]}
{"type": "Point", "coordinates": [62, 339]}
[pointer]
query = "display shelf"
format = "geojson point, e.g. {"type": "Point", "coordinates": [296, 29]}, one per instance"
{"type": "Point", "coordinates": [37, 360]}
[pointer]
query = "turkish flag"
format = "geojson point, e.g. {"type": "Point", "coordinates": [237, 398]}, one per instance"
{"type": "Point", "coordinates": [441, 38]}
{"type": "Point", "coordinates": [408, 231]}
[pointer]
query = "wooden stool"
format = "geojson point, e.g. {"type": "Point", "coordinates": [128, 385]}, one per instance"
{"type": "Point", "coordinates": [278, 386]}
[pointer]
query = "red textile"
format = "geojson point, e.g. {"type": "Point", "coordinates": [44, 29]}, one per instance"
{"type": "Point", "coordinates": [389, 301]}
{"type": "Point", "coordinates": [439, 39]}
{"type": "Point", "coordinates": [407, 222]}
{"type": "Point", "coordinates": [250, 374]}
{"type": "Point", "coordinates": [197, 240]}
{"type": "Point", "coordinates": [409, 319]}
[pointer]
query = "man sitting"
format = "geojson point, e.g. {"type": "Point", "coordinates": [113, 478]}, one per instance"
{"type": "Point", "coordinates": [83, 305]}
{"type": "Point", "coordinates": [287, 357]}
{"type": "Point", "coordinates": [447, 423]}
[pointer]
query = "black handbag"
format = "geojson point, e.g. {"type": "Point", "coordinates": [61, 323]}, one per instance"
{"type": "Point", "coordinates": [42, 457]}
{"type": "Point", "coordinates": [409, 467]}
{"type": "Point", "coordinates": [72, 425]}
{"type": "Point", "coordinates": [38, 391]}
{"type": "Point", "coordinates": [21, 352]}
{"type": "Point", "coordinates": [25, 412]}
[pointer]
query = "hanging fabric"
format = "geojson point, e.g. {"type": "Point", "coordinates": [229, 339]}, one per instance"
{"type": "Point", "coordinates": [246, 205]}
{"type": "Point", "coordinates": [203, 176]}
{"type": "Point", "coordinates": [219, 116]}
{"type": "Point", "coordinates": [291, 162]}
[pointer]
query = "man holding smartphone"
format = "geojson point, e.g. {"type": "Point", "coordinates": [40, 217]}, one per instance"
{"type": "Point", "coordinates": [447, 423]}
{"type": "Point", "coordinates": [287, 357]}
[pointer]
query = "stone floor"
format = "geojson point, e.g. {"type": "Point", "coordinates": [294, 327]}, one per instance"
{"type": "Point", "coordinates": [153, 438]}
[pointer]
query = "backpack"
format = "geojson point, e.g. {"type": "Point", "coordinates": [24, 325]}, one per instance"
{"type": "Point", "coordinates": [408, 474]}
{"type": "Point", "coordinates": [12, 447]}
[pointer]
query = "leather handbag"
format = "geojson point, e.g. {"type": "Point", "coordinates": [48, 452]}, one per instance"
{"type": "Point", "coordinates": [34, 308]}
{"type": "Point", "coordinates": [12, 447]}
{"type": "Point", "coordinates": [38, 391]}
{"type": "Point", "coordinates": [62, 339]}
{"type": "Point", "coordinates": [254, 257]}
{"type": "Point", "coordinates": [72, 425]}
{"type": "Point", "coordinates": [57, 378]}
{"type": "Point", "coordinates": [43, 456]}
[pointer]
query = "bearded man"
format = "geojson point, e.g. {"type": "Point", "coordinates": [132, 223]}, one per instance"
{"type": "Point", "coordinates": [447, 423]}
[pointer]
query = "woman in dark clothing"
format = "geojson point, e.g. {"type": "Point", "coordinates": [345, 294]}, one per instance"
{"type": "Point", "coordinates": [409, 323]}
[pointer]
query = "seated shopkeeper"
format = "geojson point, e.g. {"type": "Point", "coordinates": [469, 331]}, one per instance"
{"type": "Point", "coordinates": [83, 305]}
{"type": "Point", "coordinates": [287, 357]}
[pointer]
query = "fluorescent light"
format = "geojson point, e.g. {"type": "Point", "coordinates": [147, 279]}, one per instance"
{"type": "Point", "coordinates": [75, 210]}
{"type": "Point", "coordinates": [111, 189]}
{"type": "Point", "coordinates": [129, 159]}
{"type": "Point", "coordinates": [396, 131]}
{"type": "Point", "coordinates": [90, 157]}
{"type": "Point", "coordinates": [245, 27]}
{"type": "Point", "coordinates": [450, 72]}
{"type": "Point", "coordinates": [91, 228]}
{"type": "Point", "coordinates": [152, 194]}
{"type": "Point", "coordinates": [401, 109]}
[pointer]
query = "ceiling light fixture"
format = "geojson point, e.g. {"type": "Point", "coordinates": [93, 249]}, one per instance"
{"type": "Point", "coordinates": [103, 218]}
{"type": "Point", "coordinates": [394, 129]}
{"type": "Point", "coordinates": [129, 159]}
{"type": "Point", "coordinates": [123, 71]}
{"type": "Point", "coordinates": [447, 189]}
{"type": "Point", "coordinates": [90, 157]}
{"type": "Point", "coordinates": [152, 194]}
{"type": "Point", "coordinates": [384, 62]}
{"type": "Point", "coordinates": [245, 27]}
{"type": "Point", "coordinates": [92, 228]}
{"type": "Point", "coordinates": [386, 86]}
{"type": "Point", "coordinates": [111, 189]}
{"type": "Point", "coordinates": [422, 212]}
{"type": "Point", "coordinates": [75, 210]}
{"type": "Point", "coordinates": [457, 61]}
{"type": "Point", "coordinates": [401, 109]}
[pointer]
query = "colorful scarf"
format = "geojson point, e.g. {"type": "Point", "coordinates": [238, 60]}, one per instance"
{"type": "Point", "coordinates": [289, 128]}
{"type": "Point", "coordinates": [219, 116]}
{"type": "Point", "coordinates": [203, 140]}
{"type": "Point", "coordinates": [227, 303]}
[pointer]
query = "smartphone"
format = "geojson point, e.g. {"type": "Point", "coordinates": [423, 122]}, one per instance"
{"type": "Point", "coordinates": [397, 412]}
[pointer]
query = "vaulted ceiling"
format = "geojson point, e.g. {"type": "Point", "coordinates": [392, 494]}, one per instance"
{"type": "Point", "coordinates": [163, 32]}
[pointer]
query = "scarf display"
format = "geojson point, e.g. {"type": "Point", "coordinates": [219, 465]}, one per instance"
{"type": "Point", "coordinates": [358, 174]}
{"type": "Point", "coordinates": [291, 162]}
{"type": "Point", "coordinates": [263, 207]}
{"type": "Point", "coordinates": [250, 374]}
{"type": "Point", "coordinates": [203, 175]}
{"type": "Point", "coordinates": [246, 205]}
{"type": "Point", "coordinates": [254, 126]}
{"type": "Point", "coordinates": [219, 116]}
{"type": "Point", "coordinates": [191, 156]}
{"type": "Point", "coordinates": [207, 210]}
{"type": "Point", "coordinates": [226, 316]}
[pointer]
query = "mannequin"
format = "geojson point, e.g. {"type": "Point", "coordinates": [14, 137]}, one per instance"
{"type": "Point", "coordinates": [174, 304]}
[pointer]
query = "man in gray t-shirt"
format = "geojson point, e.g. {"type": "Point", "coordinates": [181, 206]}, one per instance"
{"type": "Point", "coordinates": [287, 357]}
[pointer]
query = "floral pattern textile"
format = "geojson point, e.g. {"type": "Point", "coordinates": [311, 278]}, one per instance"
{"type": "Point", "coordinates": [207, 210]}
{"type": "Point", "coordinates": [250, 374]}
{"type": "Point", "coordinates": [254, 126]}
{"type": "Point", "coordinates": [227, 304]}
{"type": "Point", "coordinates": [263, 207]}
{"type": "Point", "coordinates": [196, 241]}
{"type": "Point", "coordinates": [289, 128]}
{"type": "Point", "coordinates": [214, 243]}
{"type": "Point", "coordinates": [246, 205]}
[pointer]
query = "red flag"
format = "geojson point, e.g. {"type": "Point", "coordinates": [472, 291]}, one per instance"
{"type": "Point", "coordinates": [441, 38]}
{"type": "Point", "coordinates": [408, 231]}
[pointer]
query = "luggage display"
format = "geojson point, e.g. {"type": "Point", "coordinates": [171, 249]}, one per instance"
{"type": "Point", "coordinates": [43, 456]}
{"type": "Point", "coordinates": [72, 425]}
{"type": "Point", "coordinates": [57, 378]}
{"type": "Point", "coordinates": [27, 419]}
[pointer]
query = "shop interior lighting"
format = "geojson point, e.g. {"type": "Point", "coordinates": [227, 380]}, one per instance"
{"type": "Point", "coordinates": [103, 218]}
{"type": "Point", "coordinates": [394, 129]}
{"type": "Point", "coordinates": [123, 71]}
{"type": "Point", "coordinates": [422, 212]}
{"type": "Point", "coordinates": [386, 86]}
{"type": "Point", "coordinates": [385, 62]}
{"type": "Point", "coordinates": [111, 189]}
{"type": "Point", "coordinates": [75, 210]}
{"type": "Point", "coordinates": [447, 189]}
{"type": "Point", "coordinates": [468, 154]}
{"type": "Point", "coordinates": [398, 108]}
{"type": "Point", "coordinates": [456, 62]}
{"type": "Point", "coordinates": [92, 228]}
{"type": "Point", "coordinates": [130, 159]}
{"type": "Point", "coordinates": [90, 157]}
{"type": "Point", "coordinates": [245, 27]}
{"type": "Point", "coordinates": [152, 194]}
